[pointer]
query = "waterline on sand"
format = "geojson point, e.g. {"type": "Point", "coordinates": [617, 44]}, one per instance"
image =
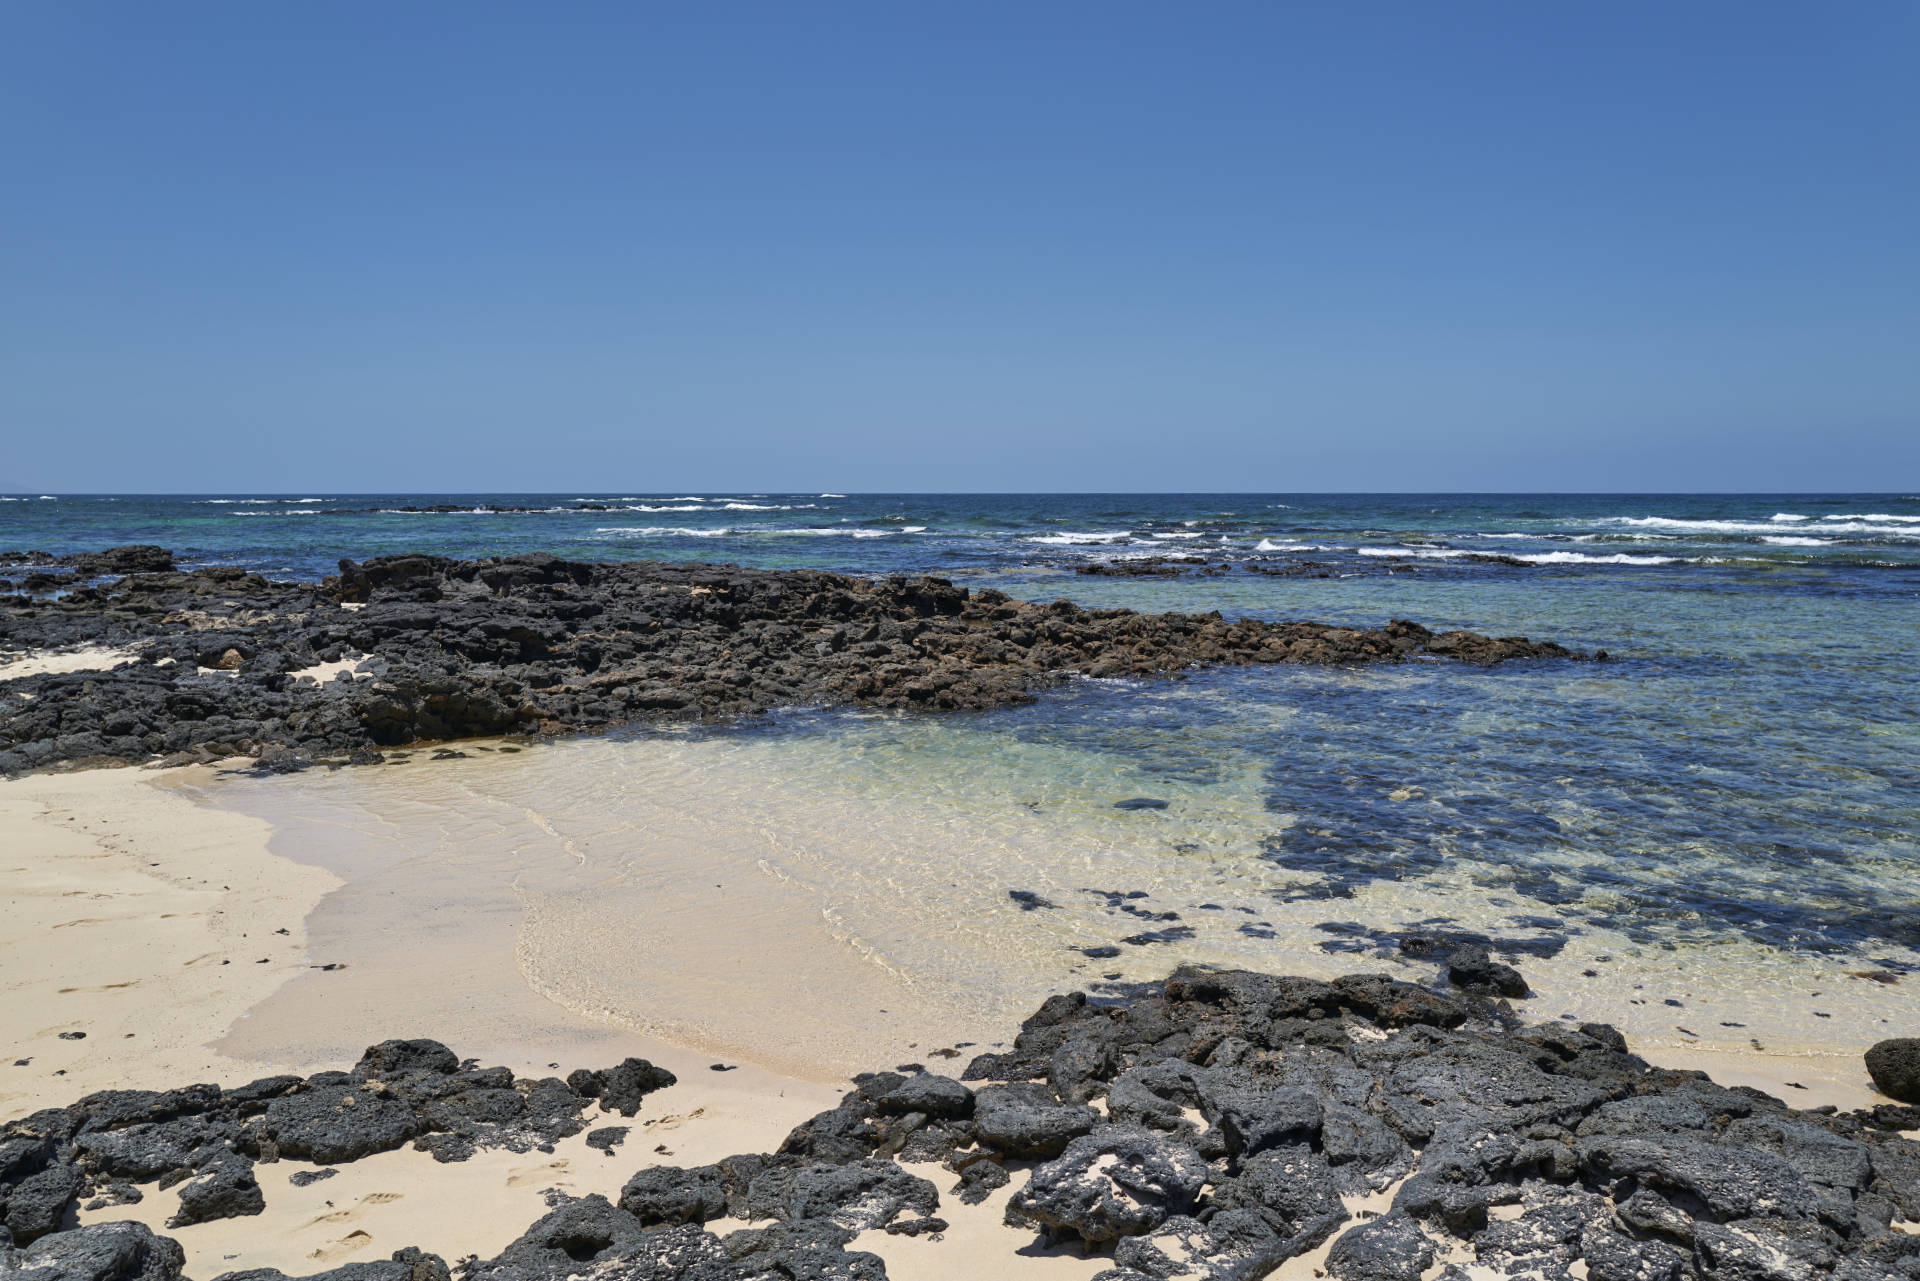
{"type": "Point", "coordinates": [811, 904]}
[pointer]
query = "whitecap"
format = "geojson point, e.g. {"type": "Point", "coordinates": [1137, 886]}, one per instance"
{"type": "Point", "coordinates": [662, 531]}
{"type": "Point", "coordinates": [1798, 542]}
{"type": "Point", "coordinates": [833, 495]}
{"type": "Point", "coordinates": [1820, 525]}
{"type": "Point", "coordinates": [1419, 553]}
{"type": "Point", "coordinates": [837, 531]}
{"type": "Point", "coordinates": [1581, 558]}
{"type": "Point", "coordinates": [1069, 538]}
{"type": "Point", "coordinates": [1788, 516]}
{"type": "Point", "coordinates": [1268, 545]}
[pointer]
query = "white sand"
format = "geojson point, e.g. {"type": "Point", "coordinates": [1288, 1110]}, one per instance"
{"type": "Point", "coordinates": [141, 919]}
{"type": "Point", "coordinates": [17, 664]}
{"type": "Point", "coordinates": [321, 673]}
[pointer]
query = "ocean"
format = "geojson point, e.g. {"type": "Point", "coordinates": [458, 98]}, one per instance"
{"type": "Point", "coordinates": [1709, 839]}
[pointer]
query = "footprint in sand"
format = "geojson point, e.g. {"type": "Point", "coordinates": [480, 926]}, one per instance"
{"type": "Point", "coordinates": [543, 1174]}
{"type": "Point", "coordinates": [675, 1122]}
{"type": "Point", "coordinates": [354, 1211]}
{"type": "Point", "coordinates": [355, 1241]}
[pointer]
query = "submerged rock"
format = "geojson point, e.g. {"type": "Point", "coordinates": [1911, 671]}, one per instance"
{"type": "Point", "coordinates": [1473, 969]}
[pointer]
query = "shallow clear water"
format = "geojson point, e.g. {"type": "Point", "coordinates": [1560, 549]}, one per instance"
{"type": "Point", "coordinates": [1730, 807]}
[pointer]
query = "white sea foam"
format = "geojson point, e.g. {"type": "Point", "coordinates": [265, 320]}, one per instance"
{"type": "Point", "coordinates": [833, 495]}
{"type": "Point", "coordinates": [1798, 542]}
{"type": "Point", "coordinates": [294, 512]}
{"type": "Point", "coordinates": [1532, 558]}
{"type": "Point", "coordinates": [1783, 516]}
{"type": "Point", "coordinates": [1911, 520]}
{"type": "Point", "coordinates": [1069, 538]}
{"type": "Point", "coordinates": [1820, 525]}
{"type": "Point", "coordinates": [1107, 555]}
{"type": "Point", "coordinates": [840, 531]}
{"type": "Point", "coordinates": [1268, 545]}
{"type": "Point", "coordinates": [1419, 553]}
{"type": "Point", "coordinates": [662, 531]}
{"type": "Point", "coordinates": [913, 529]}
{"type": "Point", "coordinates": [1618, 558]}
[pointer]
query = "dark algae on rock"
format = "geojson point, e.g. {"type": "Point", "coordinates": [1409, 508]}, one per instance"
{"type": "Point", "coordinates": [449, 649]}
{"type": "Point", "coordinates": [1210, 1127]}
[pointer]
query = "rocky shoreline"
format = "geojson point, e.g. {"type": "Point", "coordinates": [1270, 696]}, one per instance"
{"type": "Point", "coordinates": [1212, 1126]}
{"type": "Point", "coordinates": [424, 648]}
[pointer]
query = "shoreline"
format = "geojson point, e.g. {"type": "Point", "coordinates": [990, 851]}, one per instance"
{"type": "Point", "coordinates": [122, 890]}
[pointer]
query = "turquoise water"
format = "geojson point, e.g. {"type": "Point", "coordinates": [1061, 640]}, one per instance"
{"type": "Point", "coordinates": [1743, 773]}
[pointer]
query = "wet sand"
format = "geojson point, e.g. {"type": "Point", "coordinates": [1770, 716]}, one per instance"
{"type": "Point", "coordinates": [821, 903]}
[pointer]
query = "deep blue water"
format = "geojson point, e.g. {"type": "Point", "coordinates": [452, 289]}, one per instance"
{"type": "Point", "coordinates": [890, 533]}
{"type": "Point", "coordinates": [1745, 768]}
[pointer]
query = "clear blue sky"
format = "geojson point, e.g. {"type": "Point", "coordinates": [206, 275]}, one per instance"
{"type": "Point", "coordinates": [1106, 246]}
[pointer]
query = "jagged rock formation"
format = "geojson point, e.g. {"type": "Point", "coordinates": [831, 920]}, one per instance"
{"type": "Point", "coordinates": [535, 644]}
{"type": "Point", "coordinates": [1243, 1114]}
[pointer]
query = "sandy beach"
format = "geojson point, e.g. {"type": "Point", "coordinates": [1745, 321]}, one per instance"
{"type": "Point", "coordinates": [171, 934]}
{"type": "Point", "coordinates": [155, 924]}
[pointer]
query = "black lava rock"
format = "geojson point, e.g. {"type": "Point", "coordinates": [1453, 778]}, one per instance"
{"type": "Point", "coordinates": [1473, 969]}
{"type": "Point", "coordinates": [225, 1190]}
{"type": "Point", "coordinates": [1895, 1068]}
{"type": "Point", "coordinates": [534, 643]}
